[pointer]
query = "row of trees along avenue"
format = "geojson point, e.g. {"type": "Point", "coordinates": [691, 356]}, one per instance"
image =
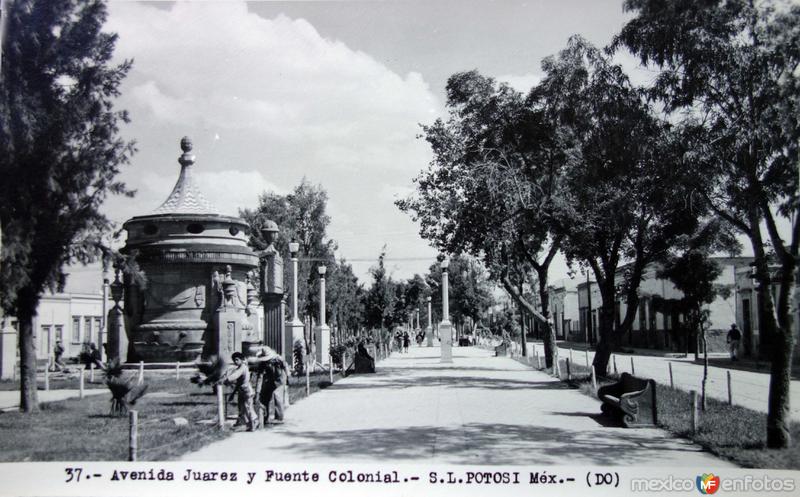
{"type": "Point", "coordinates": [616, 176]}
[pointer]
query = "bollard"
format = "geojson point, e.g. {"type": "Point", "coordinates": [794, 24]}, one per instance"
{"type": "Point", "coordinates": [633, 370]}
{"type": "Point", "coordinates": [614, 359]}
{"type": "Point", "coordinates": [308, 380]}
{"type": "Point", "coordinates": [694, 411]}
{"type": "Point", "coordinates": [730, 392]}
{"type": "Point", "coordinates": [80, 381]}
{"type": "Point", "coordinates": [587, 358]}
{"type": "Point", "coordinates": [569, 372]}
{"type": "Point", "coordinates": [91, 373]}
{"type": "Point", "coordinates": [330, 368]}
{"type": "Point", "coordinates": [133, 435]}
{"type": "Point", "coordinates": [594, 380]}
{"type": "Point", "coordinates": [671, 380]}
{"type": "Point", "coordinates": [47, 375]}
{"type": "Point", "coordinates": [177, 371]}
{"type": "Point", "coordinates": [141, 372]}
{"type": "Point", "coordinates": [220, 407]}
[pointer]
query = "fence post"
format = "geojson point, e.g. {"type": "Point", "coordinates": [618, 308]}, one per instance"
{"type": "Point", "coordinates": [177, 370]}
{"type": "Point", "coordinates": [134, 432]}
{"type": "Point", "coordinates": [594, 379]}
{"type": "Point", "coordinates": [694, 411]}
{"type": "Point", "coordinates": [330, 369]}
{"type": "Point", "coordinates": [570, 356]}
{"type": "Point", "coordinates": [633, 369]}
{"type": "Point", "coordinates": [220, 407]}
{"type": "Point", "coordinates": [47, 375]}
{"type": "Point", "coordinates": [614, 360]}
{"type": "Point", "coordinates": [587, 358]}
{"type": "Point", "coordinates": [671, 380]}
{"type": "Point", "coordinates": [80, 382]}
{"type": "Point", "coordinates": [730, 392]}
{"type": "Point", "coordinates": [141, 372]}
{"type": "Point", "coordinates": [569, 372]}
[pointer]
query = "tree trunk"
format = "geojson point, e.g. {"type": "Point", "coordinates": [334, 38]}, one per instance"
{"type": "Point", "coordinates": [607, 340]}
{"type": "Point", "coordinates": [705, 360]}
{"type": "Point", "coordinates": [28, 396]}
{"type": "Point", "coordinates": [522, 328]}
{"type": "Point", "coordinates": [549, 333]}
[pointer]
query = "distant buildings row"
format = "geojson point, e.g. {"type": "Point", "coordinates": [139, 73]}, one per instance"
{"type": "Point", "coordinates": [575, 310]}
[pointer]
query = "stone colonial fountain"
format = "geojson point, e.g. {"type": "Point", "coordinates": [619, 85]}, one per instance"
{"type": "Point", "coordinates": [199, 298]}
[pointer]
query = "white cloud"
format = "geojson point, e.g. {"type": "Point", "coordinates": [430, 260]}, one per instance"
{"type": "Point", "coordinates": [266, 102]}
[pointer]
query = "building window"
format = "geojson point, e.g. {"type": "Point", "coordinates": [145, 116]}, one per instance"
{"type": "Point", "coordinates": [642, 315]}
{"type": "Point", "coordinates": [98, 326]}
{"type": "Point", "coordinates": [87, 329]}
{"type": "Point", "coordinates": [652, 316]}
{"type": "Point", "coordinates": [59, 333]}
{"type": "Point", "coordinates": [76, 330]}
{"type": "Point", "coordinates": [44, 337]}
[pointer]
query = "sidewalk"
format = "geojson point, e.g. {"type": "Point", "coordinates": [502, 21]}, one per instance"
{"type": "Point", "coordinates": [478, 410]}
{"type": "Point", "coordinates": [750, 389]}
{"type": "Point", "coordinates": [9, 399]}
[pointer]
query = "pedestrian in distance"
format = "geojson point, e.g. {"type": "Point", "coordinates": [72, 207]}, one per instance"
{"type": "Point", "coordinates": [406, 342]}
{"type": "Point", "coordinates": [58, 352]}
{"type": "Point", "coordinates": [734, 336]}
{"type": "Point", "coordinates": [239, 377]}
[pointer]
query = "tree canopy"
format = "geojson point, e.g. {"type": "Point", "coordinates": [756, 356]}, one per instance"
{"type": "Point", "coordinates": [60, 152]}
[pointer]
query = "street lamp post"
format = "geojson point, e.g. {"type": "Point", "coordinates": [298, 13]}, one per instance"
{"type": "Point", "coordinates": [445, 330]}
{"type": "Point", "coordinates": [295, 326]}
{"type": "Point", "coordinates": [322, 331]}
{"type": "Point", "coordinates": [104, 319]}
{"type": "Point", "coordinates": [429, 329]}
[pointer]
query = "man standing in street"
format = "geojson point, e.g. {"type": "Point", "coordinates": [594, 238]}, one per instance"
{"type": "Point", "coordinates": [734, 336]}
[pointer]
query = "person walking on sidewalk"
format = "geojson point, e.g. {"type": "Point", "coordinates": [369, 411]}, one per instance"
{"type": "Point", "coordinates": [239, 377]}
{"type": "Point", "coordinates": [734, 336]}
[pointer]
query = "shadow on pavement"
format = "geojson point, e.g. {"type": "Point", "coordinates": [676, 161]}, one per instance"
{"type": "Point", "coordinates": [461, 382]}
{"type": "Point", "coordinates": [487, 444]}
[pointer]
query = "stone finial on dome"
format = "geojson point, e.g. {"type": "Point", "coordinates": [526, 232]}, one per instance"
{"type": "Point", "coordinates": [186, 197]}
{"type": "Point", "coordinates": [187, 159]}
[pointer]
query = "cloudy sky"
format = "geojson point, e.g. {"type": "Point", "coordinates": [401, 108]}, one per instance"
{"type": "Point", "coordinates": [271, 92]}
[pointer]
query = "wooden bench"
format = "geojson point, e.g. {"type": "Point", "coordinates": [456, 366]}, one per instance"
{"type": "Point", "coordinates": [631, 398]}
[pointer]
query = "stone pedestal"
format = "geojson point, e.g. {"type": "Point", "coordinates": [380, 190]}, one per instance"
{"type": "Point", "coordinates": [429, 335]}
{"type": "Point", "coordinates": [322, 338]}
{"type": "Point", "coordinates": [446, 339]}
{"type": "Point", "coordinates": [8, 352]}
{"type": "Point", "coordinates": [227, 325]}
{"type": "Point", "coordinates": [274, 322]}
{"type": "Point", "coordinates": [117, 338]}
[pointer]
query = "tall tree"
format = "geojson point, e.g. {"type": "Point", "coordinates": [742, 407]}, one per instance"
{"type": "Point", "coordinates": [623, 170]}
{"type": "Point", "coordinates": [301, 216]}
{"type": "Point", "coordinates": [60, 153]}
{"type": "Point", "coordinates": [489, 190]}
{"type": "Point", "coordinates": [380, 299]}
{"type": "Point", "coordinates": [731, 67]}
